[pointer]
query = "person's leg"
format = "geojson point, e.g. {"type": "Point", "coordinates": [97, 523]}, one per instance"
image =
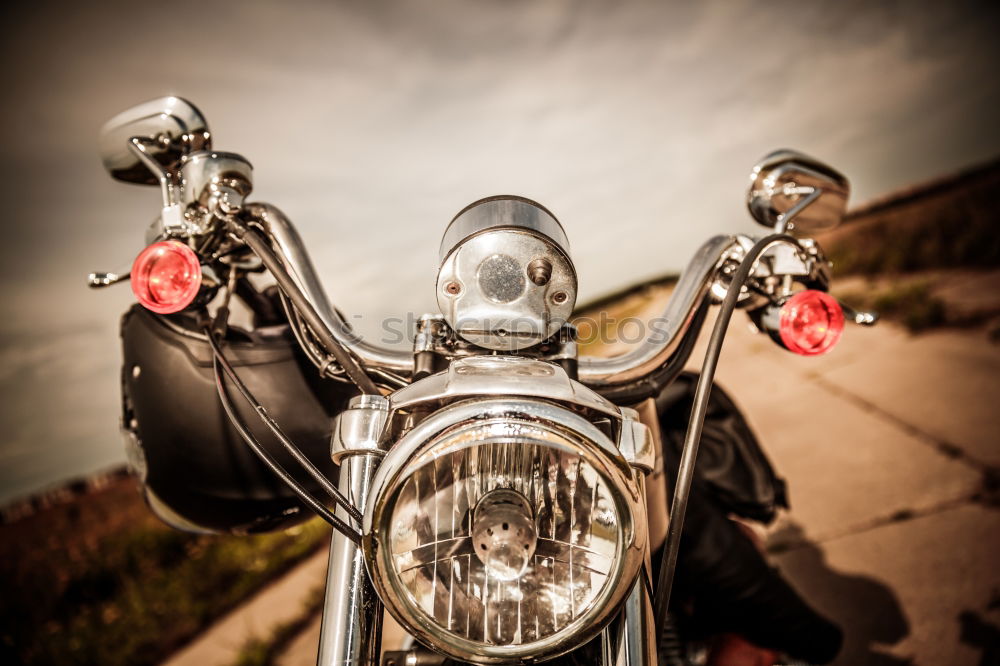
{"type": "Point", "coordinates": [727, 586]}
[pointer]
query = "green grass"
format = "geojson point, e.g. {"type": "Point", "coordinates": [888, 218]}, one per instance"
{"type": "Point", "coordinates": [956, 228]}
{"type": "Point", "coordinates": [263, 651]}
{"type": "Point", "coordinates": [911, 304]}
{"type": "Point", "coordinates": [138, 593]}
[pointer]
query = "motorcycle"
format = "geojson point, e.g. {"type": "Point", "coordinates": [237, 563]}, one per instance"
{"type": "Point", "coordinates": [502, 497]}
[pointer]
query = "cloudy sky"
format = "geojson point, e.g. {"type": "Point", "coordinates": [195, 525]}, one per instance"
{"type": "Point", "coordinates": [372, 123]}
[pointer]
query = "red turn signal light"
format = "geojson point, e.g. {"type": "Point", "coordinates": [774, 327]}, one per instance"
{"type": "Point", "coordinates": [166, 277]}
{"type": "Point", "coordinates": [810, 323]}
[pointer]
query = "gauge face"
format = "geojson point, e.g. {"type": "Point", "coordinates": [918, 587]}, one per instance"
{"type": "Point", "coordinates": [506, 289]}
{"type": "Point", "coordinates": [500, 278]}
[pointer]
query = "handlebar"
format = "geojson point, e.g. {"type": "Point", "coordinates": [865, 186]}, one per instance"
{"type": "Point", "coordinates": [603, 374]}
{"type": "Point", "coordinates": [292, 252]}
{"type": "Point", "coordinates": [658, 348]}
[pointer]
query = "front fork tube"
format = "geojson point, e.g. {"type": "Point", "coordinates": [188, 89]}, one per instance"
{"type": "Point", "coordinates": [631, 639]}
{"type": "Point", "coordinates": [351, 633]}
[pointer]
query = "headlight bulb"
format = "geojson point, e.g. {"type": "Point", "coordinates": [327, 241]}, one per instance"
{"type": "Point", "coordinates": [503, 533]}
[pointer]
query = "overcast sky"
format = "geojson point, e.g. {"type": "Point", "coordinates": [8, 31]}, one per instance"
{"type": "Point", "coordinates": [371, 124]}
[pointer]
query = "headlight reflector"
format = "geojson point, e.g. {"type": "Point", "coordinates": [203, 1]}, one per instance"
{"type": "Point", "coordinates": [504, 528]}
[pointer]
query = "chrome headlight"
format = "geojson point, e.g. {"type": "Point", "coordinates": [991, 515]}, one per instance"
{"type": "Point", "coordinates": [504, 528]}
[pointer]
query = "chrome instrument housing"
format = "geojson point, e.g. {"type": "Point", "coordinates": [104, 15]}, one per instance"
{"type": "Point", "coordinates": [219, 182]}
{"type": "Point", "coordinates": [506, 281]}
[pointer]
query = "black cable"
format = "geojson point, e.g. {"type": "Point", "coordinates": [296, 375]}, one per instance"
{"type": "Point", "coordinates": [273, 465]}
{"type": "Point", "coordinates": [280, 434]}
{"type": "Point", "coordinates": [351, 367]}
{"type": "Point", "coordinates": [685, 472]}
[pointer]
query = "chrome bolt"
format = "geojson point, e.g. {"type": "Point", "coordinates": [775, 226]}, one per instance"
{"type": "Point", "coordinates": [540, 271]}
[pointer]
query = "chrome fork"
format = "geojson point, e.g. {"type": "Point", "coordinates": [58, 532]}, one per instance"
{"type": "Point", "coordinates": [351, 633]}
{"type": "Point", "coordinates": [632, 638]}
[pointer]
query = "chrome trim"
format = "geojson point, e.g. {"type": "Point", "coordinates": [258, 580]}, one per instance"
{"type": "Point", "coordinates": [291, 249]}
{"type": "Point", "coordinates": [360, 428]}
{"type": "Point", "coordinates": [636, 441]}
{"type": "Point", "coordinates": [790, 191]}
{"type": "Point", "coordinates": [217, 181]}
{"type": "Point", "coordinates": [168, 129]}
{"type": "Point", "coordinates": [350, 634]}
{"type": "Point", "coordinates": [598, 451]}
{"type": "Point", "coordinates": [418, 655]}
{"type": "Point", "coordinates": [505, 211]}
{"type": "Point", "coordinates": [678, 314]}
{"type": "Point", "coordinates": [500, 376]}
{"type": "Point", "coordinates": [172, 221]}
{"type": "Point", "coordinates": [654, 484]}
{"type": "Point", "coordinates": [858, 317]}
{"type": "Point", "coordinates": [98, 280]}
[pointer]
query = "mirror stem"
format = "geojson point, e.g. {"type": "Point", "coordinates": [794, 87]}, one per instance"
{"type": "Point", "coordinates": [781, 226]}
{"type": "Point", "coordinates": [171, 218]}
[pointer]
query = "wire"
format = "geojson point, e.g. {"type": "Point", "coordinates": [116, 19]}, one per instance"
{"type": "Point", "coordinates": [327, 364]}
{"type": "Point", "coordinates": [280, 434]}
{"type": "Point", "coordinates": [273, 465]}
{"type": "Point", "coordinates": [351, 367]}
{"type": "Point", "coordinates": [685, 472]}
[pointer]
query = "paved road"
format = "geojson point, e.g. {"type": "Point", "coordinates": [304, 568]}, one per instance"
{"type": "Point", "coordinates": [887, 445]}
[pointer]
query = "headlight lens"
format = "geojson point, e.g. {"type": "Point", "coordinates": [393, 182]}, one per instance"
{"type": "Point", "coordinates": [504, 528]}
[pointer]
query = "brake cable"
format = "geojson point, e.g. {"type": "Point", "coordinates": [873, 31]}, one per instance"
{"type": "Point", "coordinates": [689, 454]}
{"type": "Point", "coordinates": [222, 366]}
{"type": "Point", "coordinates": [287, 284]}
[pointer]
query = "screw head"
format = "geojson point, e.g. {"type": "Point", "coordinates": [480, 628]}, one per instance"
{"type": "Point", "coordinates": [453, 288]}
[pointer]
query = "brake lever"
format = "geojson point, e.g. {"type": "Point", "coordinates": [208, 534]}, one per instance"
{"type": "Point", "coordinates": [858, 317]}
{"type": "Point", "coordinates": [101, 280]}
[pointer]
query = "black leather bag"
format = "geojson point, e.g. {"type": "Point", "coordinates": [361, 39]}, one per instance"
{"type": "Point", "coordinates": [732, 466]}
{"type": "Point", "coordinates": [197, 473]}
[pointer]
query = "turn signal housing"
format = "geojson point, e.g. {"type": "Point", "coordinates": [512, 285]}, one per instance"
{"type": "Point", "coordinates": [810, 323]}
{"type": "Point", "coordinates": [166, 277]}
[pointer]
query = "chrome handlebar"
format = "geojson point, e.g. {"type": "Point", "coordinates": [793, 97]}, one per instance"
{"type": "Point", "coordinates": [657, 349]}
{"type": "Point", "coordinates": [654, 352]}
{"type": "Point", "coordinates": [292, 251]}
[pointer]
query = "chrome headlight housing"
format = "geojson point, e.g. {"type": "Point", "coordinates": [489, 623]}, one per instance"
{"type": "Point", "coordinates": [504, 528]}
